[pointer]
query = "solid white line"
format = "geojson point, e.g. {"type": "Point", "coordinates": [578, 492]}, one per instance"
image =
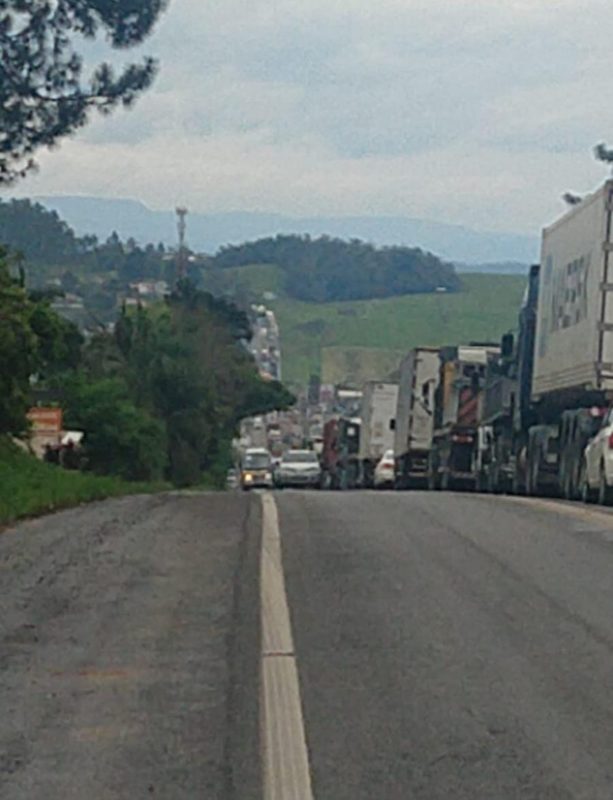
{"type": "Point", "coordinates": [284, 751]}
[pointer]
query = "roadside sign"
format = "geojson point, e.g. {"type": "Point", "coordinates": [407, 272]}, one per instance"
{"type": "Point", "coordinates": [46, 420]}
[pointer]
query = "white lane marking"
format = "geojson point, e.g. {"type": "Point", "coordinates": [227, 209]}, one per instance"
{"type": "Point", "coordinates": [285, 757]}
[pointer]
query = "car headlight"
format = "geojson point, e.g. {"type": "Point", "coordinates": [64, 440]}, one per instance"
{"type": "Point", "coordinates": [248, 477]}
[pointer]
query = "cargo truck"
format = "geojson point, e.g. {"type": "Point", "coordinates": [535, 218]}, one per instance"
{"type": "Point", "coordinates": [572, 380]}
{"type": "Point", "coordinates": [507, 411]}
{"type": "Point", "coordinates": [340, 453]}
{"type": "Point", "coordinates": [419, 378]}
{"type": "Point", "coordinates": [455, 455]}
{"type": "Point", "coordinates": [559, 382]}
{"type": "Point", "coordinates": [378, 413]}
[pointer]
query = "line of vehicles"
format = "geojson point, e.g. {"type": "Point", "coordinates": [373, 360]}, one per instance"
{"type": "Point", "coordinates": [294, 469]}
{"type": "Point", "coordinates": [531, 414]}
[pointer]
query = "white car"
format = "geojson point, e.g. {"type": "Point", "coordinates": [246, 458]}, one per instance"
{"type": "Point", "coordinates": [299, 468]}
{"type": "Point", "coordinates": [597, 469]}
{"type": "Point", "coordinates": [384, 471]}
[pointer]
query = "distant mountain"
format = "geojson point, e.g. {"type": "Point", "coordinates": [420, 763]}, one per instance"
{"type": "Point", "coordinates": [208, 232]}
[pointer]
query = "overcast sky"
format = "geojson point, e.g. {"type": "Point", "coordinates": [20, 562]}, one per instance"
{"type": "Point", "coordinates": [479, 112]}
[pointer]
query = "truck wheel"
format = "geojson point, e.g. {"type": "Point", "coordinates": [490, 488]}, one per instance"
{"type": "Point", "coordinates": [587, 495]}
{"type": "Point", "coordinates": [481, 482]}
{"type": "Point", "coordinates": [532, 472]}
{"type": "Point", "coordinates": [433, 478]}
{"type": "Point", "coordinates": [605, 492]}
{"type": "Point", "coordinates": [493, 480]}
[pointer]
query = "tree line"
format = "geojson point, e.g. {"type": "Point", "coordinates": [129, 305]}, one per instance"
{"type": "Point", "coordinates": [158, 397]}
{"type": "Point", "coordinates": [326, 269]}
{"type": "Point", "coordinates": [50, 245]}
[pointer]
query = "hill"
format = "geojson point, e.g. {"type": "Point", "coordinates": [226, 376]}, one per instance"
{"type": "Point", "coordinates": [208, 232]}
{"type": "Point", "coordinates": [326, 269]}
{"type": "Point", "coordinates": [485, 308]}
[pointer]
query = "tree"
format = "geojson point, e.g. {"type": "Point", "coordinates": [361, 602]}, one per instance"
{"type": "Point", "coordinates": [603, 153]}
{"type": "Point", "coordinates": [120, 438]}
{"type": "Point", "coordinates": [571, 199]}
{"type": "Point", "coordinates": [34, 340]}
{"type": "Point", "coordinates": [44, 93]}
{"type": "Point", "coordinates": [18, 353]}
{"type": "Point", "coordinates": [326, 269]}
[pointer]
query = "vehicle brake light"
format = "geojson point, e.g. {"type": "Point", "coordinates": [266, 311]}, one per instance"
{"type": "Point", "coordinates": [611, 441]}
{"type": "Point", "coordinates": [461, 439]}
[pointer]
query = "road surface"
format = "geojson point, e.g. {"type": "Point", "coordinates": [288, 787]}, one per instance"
{"type": "Point", "coordinates": [447, 646]}
{"type": "Point", "coordinates": [129, 651]}
{"type": "Point", "coordinates": [452, 646]}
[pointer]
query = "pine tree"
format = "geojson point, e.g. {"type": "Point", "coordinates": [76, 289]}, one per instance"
{"type": "Point", "coordinates": [44, 92]}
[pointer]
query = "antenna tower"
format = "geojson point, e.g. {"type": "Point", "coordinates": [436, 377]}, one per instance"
{"type": "Point", "coordinates": [182, 254]}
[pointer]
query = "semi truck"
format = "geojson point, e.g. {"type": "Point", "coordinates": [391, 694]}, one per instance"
{"type": "Point", "coordinates": [455, 454]}
{"type": "Point", "coordinates": [340, 453]}
{"type": "Point", "coordinates": [419, 378]}
{"type": "Point", "coordinates": [559, 378]}
{"type": "Point", "coordinates": [378, 414]}
{"type": "Point", "coordinates": [507, 411]}
{"type": "Point", "coordinates": [572, 376]}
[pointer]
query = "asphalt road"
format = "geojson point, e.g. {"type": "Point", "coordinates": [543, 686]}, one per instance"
{"type": "Point", "coordinates": [448, 646]}
{"type": "Point", "coordinates": [452, 646]}
{"type": "Point", "coordinates": [129, 651]}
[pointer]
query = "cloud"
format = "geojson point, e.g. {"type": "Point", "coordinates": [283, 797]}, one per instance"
{"type": "Point", "coordinates": [470, 111]}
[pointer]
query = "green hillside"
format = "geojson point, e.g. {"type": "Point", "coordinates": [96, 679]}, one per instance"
{"type": "Point", "coordinates": [485, 308]}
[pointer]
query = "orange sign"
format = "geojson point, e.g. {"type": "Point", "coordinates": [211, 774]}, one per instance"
{"type": "Point", "coordinates": [46, 420]}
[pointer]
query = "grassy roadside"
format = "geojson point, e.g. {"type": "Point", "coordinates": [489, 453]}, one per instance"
{"type": "Point", "coordinates": [29, 487]}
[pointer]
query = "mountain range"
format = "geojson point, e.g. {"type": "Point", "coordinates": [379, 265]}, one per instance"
{"type": "Point", "coordinates": [468, 248]}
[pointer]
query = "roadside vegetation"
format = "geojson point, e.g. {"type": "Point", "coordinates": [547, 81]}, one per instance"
{"type": "Point", "coordinates": [29, 487]}
{"type": "Point", "coordinates": [159, 397]}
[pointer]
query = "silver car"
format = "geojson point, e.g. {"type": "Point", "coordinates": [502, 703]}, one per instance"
{"type": "Point", "coordinates": [299, 468]}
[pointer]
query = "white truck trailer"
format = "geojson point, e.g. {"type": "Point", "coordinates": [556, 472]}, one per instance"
{"type": "Point", "coordinates": [378, 422]}
{"type": "Point", "coordinates": [573, 352]}
{"type": "Point", "coordinates": [419, 377]}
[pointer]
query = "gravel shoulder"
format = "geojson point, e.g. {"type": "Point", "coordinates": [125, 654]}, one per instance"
{"type": "Point", "coordinates": [129, 651]}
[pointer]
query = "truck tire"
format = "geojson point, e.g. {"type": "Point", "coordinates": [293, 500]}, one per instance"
{"type": "Point", "coordinates": [532, 471]}
{"type": "Point", "coordinates": [433, 478]}
{"type": "Point", "coordinates": [587, 494]}
{"type": "Point", "coordinates": [605, 492]}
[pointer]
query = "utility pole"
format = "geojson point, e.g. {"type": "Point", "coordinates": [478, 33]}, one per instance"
{"type": "Point", "coordinates": [182, 254]}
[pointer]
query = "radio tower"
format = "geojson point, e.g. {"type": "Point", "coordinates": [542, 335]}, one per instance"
{"type": "Point", "coordinates": [182, 254]}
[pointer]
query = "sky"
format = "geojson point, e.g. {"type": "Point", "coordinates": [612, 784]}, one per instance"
{"type": "Point", "coordinates": [475, 112]}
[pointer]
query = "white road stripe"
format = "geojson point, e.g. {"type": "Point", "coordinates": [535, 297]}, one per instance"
{"type": "Point", "coordinates": [284, 751]}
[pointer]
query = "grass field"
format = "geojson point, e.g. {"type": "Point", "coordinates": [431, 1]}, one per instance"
{"type": "Point", "coordinates": [329, 339]}
{"type": "Point", "coordinates": [29, 487]}
{"type": "Point", "coordinates": [340, 341]}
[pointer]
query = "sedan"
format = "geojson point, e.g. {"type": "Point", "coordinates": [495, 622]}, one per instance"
{"type": "Point", "coordinates": [596, 480]}
{"type": "Point", "coordinates": [384, 471]}
{"type": "Point", "coordinates": [299, 468]}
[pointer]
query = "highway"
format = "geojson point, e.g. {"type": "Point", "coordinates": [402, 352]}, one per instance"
{"type": "Point", "coordinates": [445, 646]}
{"type": "Point", "coordinates": [452, 646]}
